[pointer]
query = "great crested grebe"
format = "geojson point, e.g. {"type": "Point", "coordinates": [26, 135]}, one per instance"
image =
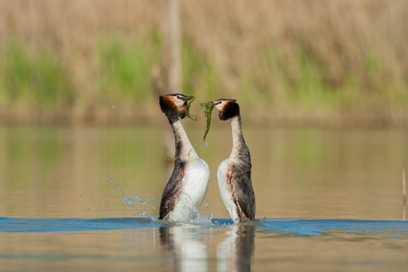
{"type": "Point", "coordinates": [186, 188]}
{"type": "Point", "coordinates": [234, 173]}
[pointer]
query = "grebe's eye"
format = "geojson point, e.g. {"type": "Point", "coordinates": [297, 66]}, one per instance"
{"type": "Point", "coordinates": [179, 97]}
{"type": "Point", "coordinates": [218, 102]}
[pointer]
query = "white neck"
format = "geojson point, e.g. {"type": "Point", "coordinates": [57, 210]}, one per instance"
{"type": "Point", "coordinates": [237, 137]}
{"type": "Point", "coordinates": [187, 151]}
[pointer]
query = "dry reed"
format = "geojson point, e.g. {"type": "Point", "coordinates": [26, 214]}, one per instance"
{"type": "Point", "coordinates": [291, 61]}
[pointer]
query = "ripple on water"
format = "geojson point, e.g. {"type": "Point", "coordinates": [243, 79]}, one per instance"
{"type": "Point", "coordinates": [291, 227]}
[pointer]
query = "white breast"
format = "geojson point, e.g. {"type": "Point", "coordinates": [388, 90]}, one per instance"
{"type": "Point", "coordinates": [225, 190]}
{"type": "Point", "coordinates": [194, 188]}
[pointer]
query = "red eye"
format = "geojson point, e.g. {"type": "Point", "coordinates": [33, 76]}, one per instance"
{"type": "Point", "coordinates": [179, 97]}
{"type": "Point", "coordinates": [218, 102]}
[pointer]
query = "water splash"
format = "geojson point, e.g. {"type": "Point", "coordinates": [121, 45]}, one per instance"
{"type": "Point", "coordinates": [129, 201]}
{"type": "Point", "coordinates": [140, 201]}
{"type": "Point", "coordinates": [120, 188]}
{"type": "Point", "coordinates": [198, 219]}
{"type": "Point", "coordinates": [189, 213]}
{"type": "Point", "coordinates": [109, 179]}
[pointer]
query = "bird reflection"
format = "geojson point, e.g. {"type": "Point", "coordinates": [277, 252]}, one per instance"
{"type": "Point", "coordinates": [234, 252]}
{"type": "Point", "coordinates": [189, 251]}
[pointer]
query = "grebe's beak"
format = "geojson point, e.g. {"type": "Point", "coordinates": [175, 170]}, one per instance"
{"type": "Point", "coordinates": [189, 100]}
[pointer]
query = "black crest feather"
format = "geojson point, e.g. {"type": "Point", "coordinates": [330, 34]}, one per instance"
{"type": "Point", "coordinates": [231, 109]}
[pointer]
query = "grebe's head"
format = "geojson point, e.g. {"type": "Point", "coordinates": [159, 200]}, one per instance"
{"type": "Point", "coordinates": [227, 108]}
{"type": "Point", "coordinates": [175, 105]}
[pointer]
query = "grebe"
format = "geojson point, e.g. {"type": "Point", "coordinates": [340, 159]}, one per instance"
{"type": "Point", "coordinates": [234, 173]}
{"type": "Point", "coordinates": [187, 186]}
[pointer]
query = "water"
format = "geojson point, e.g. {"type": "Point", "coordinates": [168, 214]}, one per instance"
{"type": "Point", "coordinates": [88, 198]}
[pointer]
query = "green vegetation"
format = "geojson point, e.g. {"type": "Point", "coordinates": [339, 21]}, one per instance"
{"type": "Point", "coordinates": [207, 108]}
{"type": "Point", "coordinates": [124, 75]}
{"type": "Point", "coordinates": [298, 60]}
{"type": "Point", "coordinates": [34, 80]}
{"type": "Point", "coordinates": [125, 69]}
{"type": "Point", "coordinates": [199, 74]}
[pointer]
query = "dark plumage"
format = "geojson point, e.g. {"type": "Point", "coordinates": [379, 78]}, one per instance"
{"type": "Point", "coordinates": [231, 109]}
{"type": "Point", "coordinates": [171, 192]}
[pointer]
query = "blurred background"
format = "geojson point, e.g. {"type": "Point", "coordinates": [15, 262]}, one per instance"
{"type": "Point", "coordinates": [81, 132]}
{"type": "Point", "coordinates": [323, 90]}
{"type": "Point", "coordinates": [287, 62]}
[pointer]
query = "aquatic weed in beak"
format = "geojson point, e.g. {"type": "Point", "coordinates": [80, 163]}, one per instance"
{"type": "Point", "coordinates": [189, 101]}
{"type": "Point", "coordinates": [207, 108]}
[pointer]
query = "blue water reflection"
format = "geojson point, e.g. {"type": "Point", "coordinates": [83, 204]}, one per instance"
{"type": "Point", "coordinates": [291, 227]}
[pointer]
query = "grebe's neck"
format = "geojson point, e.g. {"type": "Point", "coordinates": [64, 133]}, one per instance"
{"type": "Point", "coordinates": [238, 142]}
{"type": "Point", "coordinates": [184, 148]}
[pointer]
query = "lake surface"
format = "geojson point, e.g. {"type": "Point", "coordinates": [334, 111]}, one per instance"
{"type": "Point", "coordinates": [88, 198]}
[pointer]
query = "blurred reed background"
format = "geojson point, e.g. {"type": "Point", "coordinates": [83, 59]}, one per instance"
{"type": "Point", "coordinates": [287, 62]}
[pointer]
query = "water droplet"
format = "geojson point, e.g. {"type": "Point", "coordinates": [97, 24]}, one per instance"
{"type": "Point", "coordinates": [108, 178]}
{"type": "Point", "coordinates": [113, 106]}
{"type": "Point", "coordinates": [120, 189]}
{"type": "Point", "coordinates": [104, 99]}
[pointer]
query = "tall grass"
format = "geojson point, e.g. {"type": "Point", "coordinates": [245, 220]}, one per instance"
{"type": "Point", "coordinates": [285, 61]}
{"type": "Point", "coordinates": [125, 69]}
{"type": "Point", "coordinates": [34, 79]}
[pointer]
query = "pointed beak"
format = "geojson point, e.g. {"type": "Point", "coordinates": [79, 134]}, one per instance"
{"type": "Point", "coordinates": [189, 98]}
